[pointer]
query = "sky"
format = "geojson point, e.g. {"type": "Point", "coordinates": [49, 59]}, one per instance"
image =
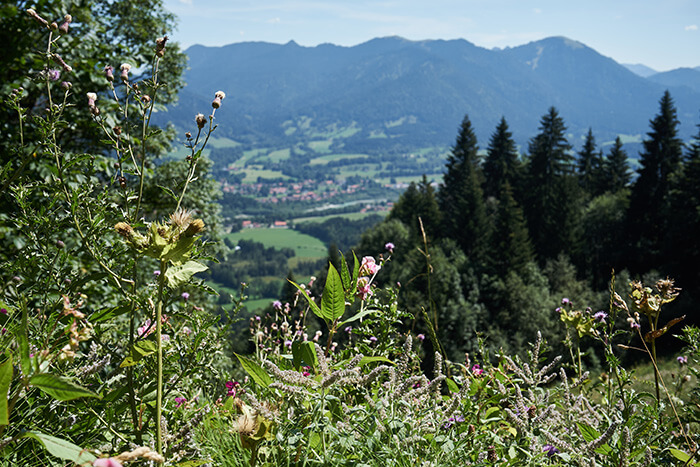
{"type": "Point", "coordinates": [660, 34]}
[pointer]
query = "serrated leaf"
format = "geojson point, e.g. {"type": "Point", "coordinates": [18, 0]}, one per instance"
{"type": "Point", "coordinates": [254, 370]}
{"type": "Point", "coordinates": [355, 269]}
{"type": "Point", "coordinates": [589, 433]}
{"type": "Point", "coordinates": [177, 275]}
{"type": "Point", "coordinates": [333, 299]}
{"type": "Point", "coordinates": [62, 449]}
{"type": "Point", "coordinates": [5, 380]}
{"type": "Point", "coordinates": [60, 388]}
{"type": "Point", "coordinates": [139, 350]}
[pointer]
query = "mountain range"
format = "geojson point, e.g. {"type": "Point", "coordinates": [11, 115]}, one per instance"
{"type": "Point", "coordinates": [391, 93]}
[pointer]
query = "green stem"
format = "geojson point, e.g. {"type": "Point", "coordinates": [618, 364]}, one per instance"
{"type": "Point", "coordinates": [159, 347]}
{"type": "Point", "coordinates": [144, 129]}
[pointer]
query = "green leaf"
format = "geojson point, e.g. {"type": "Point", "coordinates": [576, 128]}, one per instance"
{"type": "Point", "coordinates": [451, 385]}
{"type": "Point", "coordinates": [680, 455]}
{"type": "Point", "coordinates": [333, 299]}
{"type": "Point", "coordinates": [139, 350]}
{"type": "Point", "coordinates": [355, 269]}
{"type": "Point", "coordinates": [589, 433]}
{"type": "Point", "coordinates": [5, 380]}
{"type": "Point", "coordinates": [344, 273]}
{"type": "Point", "coordinates": [177, 275]}
{"type": "Point", "coordinates": [168, 192]}
{"type": "Point", "coordinates": [312, 304]}
{"type": "Point", "coordinates": [254, 370]}
{"type": "Point", "coordinates": [178, 252]}
{"type": "Point", "coordinates": [376, 358]}
{"type": "Point", "coordinates": [304, 352]}
{"type": "Point", "coordinates": [106, 314]}
{"type": "Point", "coordinates": [62, 449]}
{"type": "Point", "coordinates": [60, 388]}
{"type": "Point", "coordinates": [357, 316]}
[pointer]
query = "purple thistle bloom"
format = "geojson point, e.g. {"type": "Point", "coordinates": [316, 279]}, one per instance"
{"type": "Point", "coordinates": [420, 337]}
{"type": "Point", "coordinates": [277, 305]}
{"type": "Point", "coordinates": [565, 301]}
{"type": "Point", "coordinates": [600, 316]}
{"type": "Point", "coordinates": [3, 311]}
{"type": "Point", "coordinates": [549, 450]}
{"type": "Point", "coordinates": [185, 296]}
{"type": "Point", "coordinates": [179, 401]}
{"type": "Point", "coordinates": [389, 247]}
{"type": "Point", "coordinates": [156, 272]}
{"type": "Point", "coordinates": [682, 360]}
{"type": "Point", "coordinates": [348, 329]}
{"type": "Point", "coordinates": [373, 339]}
{"type": "Point", "coordinates": [54, 75]}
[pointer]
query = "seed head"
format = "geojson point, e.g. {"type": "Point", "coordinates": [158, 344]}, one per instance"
{"type": "Point", "coordinates": [125, 71]}
{"type": "Point", "coordinates": [63, 29]}
{"type": "Point", "coordinates": [201, 120]}
{"type": "Point", "coordinates": [109, 73]}
{"type": "Point", "coordinates": [218, 97]}
{"type": "Point", "coordinates": [181, 218]}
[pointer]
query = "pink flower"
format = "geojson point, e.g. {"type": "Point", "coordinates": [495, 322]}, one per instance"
{"type": "Point", "coordinates": [107, 462]}
{"type": "Point", "coordinates": [179, 401]}
{"type": "Point", "coordinates": [185, 296]}
{"type": "Point", "coordinates": [277, 305]}
{"type": "Point", "coordinates": [363, 288]}
{"type": "Point", "coordinates": [477, 371]}
{"type": "Point", "coordinates": [369, 267]}
{"type": "Point", "coordinates": [231, 387]}
{"type": "Point", "coordinates": [389, 247]}
{"type": "Point", "coordinates": [420, 337]}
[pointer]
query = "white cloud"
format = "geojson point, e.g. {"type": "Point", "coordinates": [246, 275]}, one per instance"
{"type": "Point", "coordinates": [692, 27]}
{"type": "Point", "coordinates": [274, 20]}
{"type": "Point", "coordinates": [186, 2]}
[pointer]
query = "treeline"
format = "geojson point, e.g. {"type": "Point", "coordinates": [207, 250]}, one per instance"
{"type": "Point", "coordinates": [341, 232]}
{"type": "Point", "coordinates": [509, 235]}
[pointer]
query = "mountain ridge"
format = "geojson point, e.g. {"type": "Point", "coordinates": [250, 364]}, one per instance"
{"type": "Point", "coordinates": [426, 85]}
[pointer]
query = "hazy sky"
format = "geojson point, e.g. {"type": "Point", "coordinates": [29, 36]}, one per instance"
{"type": "Point", "coordinates": [660, 34]}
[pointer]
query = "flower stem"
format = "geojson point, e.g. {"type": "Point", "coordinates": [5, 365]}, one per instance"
{"type": "Point", "coordinates": [159, 347]}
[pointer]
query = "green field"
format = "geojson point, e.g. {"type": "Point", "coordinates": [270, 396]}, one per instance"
{"type": "Point", "coordinates": [304, 246]}
{"type": "Point", "coordinates": [336, 157]}
{"type": "Point", "coordinates": [353, 216]}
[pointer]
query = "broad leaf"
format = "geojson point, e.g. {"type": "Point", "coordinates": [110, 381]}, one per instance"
{"type": "Point", "coordinates": [140, 349]}
{"type": "Point", "coordinates": [333, 299]}
{"type": "Point", "coordinates": [60, 388]}
{"type": "Point", "coordinates": [5, 380]}
{"type": "Point", "coordinates": [177, 275]}
{"type": "Point", "coordinates": [255, 371]}
{"type": "Point", "coordinates": [304, 352]}
{"type": "Point", "coordinates": [63, 449]}
{"type": "Point", "coordinates": [376, 358]}
{"type": "Point", "coordinates": [344, 273]}
{"type": "Point", "coordinates": [357, 316]}
{"type": "Point", "coordinates": [680, 455]}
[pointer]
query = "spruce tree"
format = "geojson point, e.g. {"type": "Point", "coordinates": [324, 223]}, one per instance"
{"type": "Point", "coordinates": [418, 201]}
{"type": "Point", "coordinates": [501, 166]}
{"type": "Point", "coordinates": [650, 203]}
{"type": "Point", "coordinates": [509, 246]}
{"type": "Point", "coordinates": [589, 166]}
{"type": "Point", "coordinates": [552, 191]}
{"type": "Point", "coordinates": [616, 169]}
{"type": "Point", "coordinates": [460, 197]}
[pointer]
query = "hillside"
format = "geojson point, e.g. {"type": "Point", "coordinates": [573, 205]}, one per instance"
{"type": "Point", "coordinates": [400, 94]}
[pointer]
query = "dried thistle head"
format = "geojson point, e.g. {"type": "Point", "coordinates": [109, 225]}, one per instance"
{"type": "Point", "coordinates": [195, 227]}
{"type": "Point", "coordinates": [247, 424]}
{"type": "Point", "coordinates": [201, 120]}
{"type": "Point", "coordinates": [124, 229]}
{"type": "Point", "coordinates": [667, 289]}
{"type": "Point", "coordinates": [181, 218]}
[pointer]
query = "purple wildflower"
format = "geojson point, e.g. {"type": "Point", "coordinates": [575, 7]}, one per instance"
{"type": "Point", "coordinates": [185, 296]}
{"type": "Point", "coordinates": [477, 371]}
{"type": "Point", "coordinates": [54, 75]}
{"type": "Point", "coordinates": [179, 401]}
{"type": "Point", "coordinates": [373, 339]}
{"type": "Point", "coordinates": [3, 311]}
{"type": "Point", "coordinates": [682, 360]}
{"type": "Point", "coordinates": [156, 272]}
{"type": "Point", "coordinates": [389, 247]}
{"type": "Point", "coordinates": [348, 329]}
{"type": "Point", "coordinates": [231, 387]}
{"type": "Point", "coordinates": [420, 337]}
{"type": "Point", "coordinates": [565, 301]}
{"type": "Point", "coordinates": [549, 450]}
{"type": "Point", "coordinates": [600, 316]}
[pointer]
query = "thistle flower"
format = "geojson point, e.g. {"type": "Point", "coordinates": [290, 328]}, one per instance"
{"type": "Point", "coordinates": [185, 296]}
{"type": "Point", "coordinates": [109, 73]}
{"type": "Point", "coordinates": [54, 75]}
{"type": "Point", "coordinates": [125, 71]}
{"type": "Point", "coordinates": [160, 45]}
{"type": "Point", "coordinates": [92, 97]}
{"type": "Point", "coordinates": [31, 12]}
{"type": "Point", "coordinates": [218, 97]}
{"type": "Point", "coordinates": [389, 247]}
{"type": "Point", "coordinates": [201, 120]}
{"type": "Point", "coordinates": [63, 28]}
{"type": "Point", "coordinates": [600, 316]}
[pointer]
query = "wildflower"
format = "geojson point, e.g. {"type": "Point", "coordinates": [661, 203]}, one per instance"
{"type": "Point", "coordinates": [682, 360]}
{"type": "Point", "coordinates": [363, 288]}
{"type": "Point", "coordinates": [66, 85]}
{"type": "Point", "coordinates": [54, 74]}
{"type": "Point", "coordinates": [369, 267]}
{"type": "Point", "coordinates": [420, 337]}
{"type": "Point", "coordinates": [63, 28]}
{"type": "Point", "coordinates": [186, 331]}
{"type": "Point", "coordinates": [231, 387]}
{"type": "Point", "coordinates": [125, 71]}
{"type": "Point", "coordinates": [277, 305]}
{"type": "Point", "coordinates": [288, 344]}
{"type": "Point", "coordinates": [633, 323]}
{"type": "Point", "coordinates": [218, 97]}
{"type": "Point", "coordinates": [477, 370]}
{"type": "Point", "coordinates": [185, 296]}
{"type": "Point", "coordinates": [107, 462]}
{"type": "Point", "coordinates": [179, 401]}
{"type": "Point", "coordinates": [389, 247]}
{"type": "Point", "coordinates": [600, 316]}
{"type": "Point", "coordinates": [565, 301]}
{"type": "Point", "coordinates": [92, 97]}
{"type": "Point", "coordinates": [156, 272]}
{"type": "Point", "coordinates": [160, 45]}
{"type": "Point", "coordinates": [3, 311]}
{"type": "Point", "coordinates": [348, 329]}
{"type": "Point", "coordinates": [549, 450]}
{"type": "Point", "coordinates": [450, 421]}
{"type": "Point", "coordinates": [4, 330]}
{"type": "Point", "coordinates": [373, 339]}
{"type": "Point", "coordinates": [317, 336]}
{"type": "Point", "coordinates": [38, 18]}
{"type": "Point", "coordinates": [667, 289]}
{"type": "Point", "coordinates": [146, 329]}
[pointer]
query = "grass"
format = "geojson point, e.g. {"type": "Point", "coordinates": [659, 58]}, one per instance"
{"type": "Point", "coordinates": [304, 246]}
{"type": "Point", "coordinates": [252, 174]}
{"type": "Point", "coordinates": [351, 215]}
